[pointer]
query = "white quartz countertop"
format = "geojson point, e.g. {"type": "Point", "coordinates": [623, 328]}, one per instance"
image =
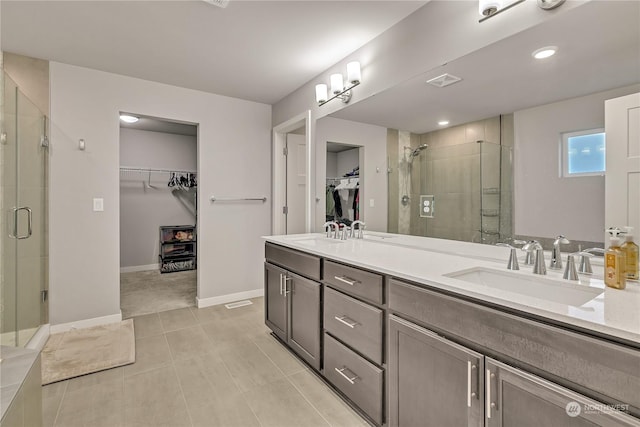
{"type": "Point", "coordinates": [429, 261]}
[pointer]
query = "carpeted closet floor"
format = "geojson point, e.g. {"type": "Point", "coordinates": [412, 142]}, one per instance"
{"type": "Point", "coordinates": [146, 292]}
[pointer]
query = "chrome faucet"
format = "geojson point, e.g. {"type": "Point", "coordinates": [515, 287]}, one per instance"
{"type": "Point", "coordinates": [538, 265]}
{"type": "Point", "coordinates": [513, 257]}
{"type": "Point", "coordinates": [345, 232]}
{"type": "Point", "coordinates": [530, 248]}
{"type": "Point", "coordinates": [571, 272]}
{"type": "Point", "coordinates": [360, 225]}
{"type": "Point", "coordinates": [330, 226]}
{"type": "Point", "coordinates": [585, 262]}
{"type": "Point", "coordinates": [556, 256]}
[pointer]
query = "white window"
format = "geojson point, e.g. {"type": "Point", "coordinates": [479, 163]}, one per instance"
{"type": "Point", "coordinates": [583, 153]}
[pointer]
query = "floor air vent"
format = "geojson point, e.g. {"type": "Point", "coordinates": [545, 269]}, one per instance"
{"type": "Point", "coordinates": [444, 80]}
{"type": "Point", "coordinates": [238, 304]}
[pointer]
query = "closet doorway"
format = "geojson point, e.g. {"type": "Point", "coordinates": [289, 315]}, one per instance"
{"type": "Point", "coordinates": [158, 214]}
{"type": "Point", "coordinates": [343, 183]}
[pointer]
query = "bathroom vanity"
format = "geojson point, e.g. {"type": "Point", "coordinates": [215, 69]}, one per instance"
{"type": "Point", "coordinates": [416, 331]}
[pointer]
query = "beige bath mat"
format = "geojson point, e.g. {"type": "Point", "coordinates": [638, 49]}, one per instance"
{"type": "Point", "coordinates": [84, 351]}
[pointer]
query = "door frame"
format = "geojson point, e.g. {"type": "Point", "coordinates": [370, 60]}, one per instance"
{"type": "Point", "coordinates": [279, 171]}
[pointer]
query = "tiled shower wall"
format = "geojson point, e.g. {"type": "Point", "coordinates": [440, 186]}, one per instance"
{"type": "Point", "coordinates": [471, 181]}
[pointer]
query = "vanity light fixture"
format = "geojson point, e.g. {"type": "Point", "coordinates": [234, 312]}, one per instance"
{"type": "Point", "coordinates": [127, 118]}
{"type": "Point", "coordinates": [443, 122]}
{"type": "Point", "coordinates": [338, 88]}
{"type": "Point", "coordinates": [544, 52]}
{"type": "Point", "coordinates": [489, 8]}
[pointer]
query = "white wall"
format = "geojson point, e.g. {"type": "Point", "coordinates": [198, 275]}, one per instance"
{"type": "Point", "coordinates": [144, 209]}
{"type": "Point", "coordinates": [332, 165]}
{"type": "Point", "coordinates": [373, 168]}
{"type": "Point", "coordinates": [347, 160]}
{"type": "Point", "coordinates": [545, 204]}
{"type": "Point", "coordinates": [233, 138]}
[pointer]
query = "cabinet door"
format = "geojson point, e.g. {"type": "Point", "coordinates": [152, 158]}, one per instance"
{"type": "Point", "coordinates": [517, 398]}
{"type": "Point", "coordinates": [432, 381]}
{"type": "Point", "coordinates": [275, 300]}
{"type": "Point", "coordinates": [304, 327]}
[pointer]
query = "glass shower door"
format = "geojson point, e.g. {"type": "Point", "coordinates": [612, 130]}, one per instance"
{"type": "Point", "coordinates": [24, 253]}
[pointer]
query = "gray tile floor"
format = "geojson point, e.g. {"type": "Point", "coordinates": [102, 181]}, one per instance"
{"type": "Point", "coordinates": [200, 367]}
{"type": "Point", "coordinates": [146, 292]}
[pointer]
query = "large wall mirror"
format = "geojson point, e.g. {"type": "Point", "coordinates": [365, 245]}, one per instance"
{"type": "Point", "coordinates": [494, 171]}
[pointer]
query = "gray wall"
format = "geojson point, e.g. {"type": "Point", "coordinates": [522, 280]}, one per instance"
{"type": "Point", "coordinates": [144, 209]}
{"type": "Point", "coordinates": [545, 204]}
{"type": "Point", "coordinates": [234, 136]}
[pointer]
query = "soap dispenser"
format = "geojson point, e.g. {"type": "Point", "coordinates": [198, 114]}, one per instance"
{"type": "Point", "coordinates": [615, 275]}
{"type": "Point", "coordinates": [630, 250]}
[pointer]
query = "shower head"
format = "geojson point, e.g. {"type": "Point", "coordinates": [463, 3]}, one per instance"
{"type": "Point", "coordinates": [417, 151]}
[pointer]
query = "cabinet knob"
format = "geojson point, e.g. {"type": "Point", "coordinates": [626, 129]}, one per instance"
{"type": "Point", "coordinates": [493, 405]}
{"type": "Point", "coordinates": [473, 394]}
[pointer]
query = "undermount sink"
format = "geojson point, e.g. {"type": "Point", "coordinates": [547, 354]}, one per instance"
{"type": "Point", "coordinates": [562, 292]}
{"type": "Point", "coordinates": [367, 236]}
{"type": "Point", "coordinates": [318, 241]}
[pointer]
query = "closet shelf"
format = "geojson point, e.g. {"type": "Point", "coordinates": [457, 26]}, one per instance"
{"type": "Point", "coordinates": [146, 170]}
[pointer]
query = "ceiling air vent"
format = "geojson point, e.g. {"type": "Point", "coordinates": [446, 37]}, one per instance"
{"type": "Point", "coordinates": [219, 3]}
{"type": "Point", "coordinates": [444, 80]}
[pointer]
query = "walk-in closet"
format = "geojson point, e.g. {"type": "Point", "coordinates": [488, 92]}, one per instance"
{"type": "Point", "coordinates": [343, 183]}
{"type": "Point", "coordinates": [158, 215]}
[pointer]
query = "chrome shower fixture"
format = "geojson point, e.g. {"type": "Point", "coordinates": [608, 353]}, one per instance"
{"type": "Point", "coordinates": [416, 151]}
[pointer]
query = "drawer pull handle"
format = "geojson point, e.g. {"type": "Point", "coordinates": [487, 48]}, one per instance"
{"type": "Point", "coordinates": [352, 380]}
{"type": "Point", "coordinates": [346, 321]}
{"type": "Point", "coordinates": [347, 280]}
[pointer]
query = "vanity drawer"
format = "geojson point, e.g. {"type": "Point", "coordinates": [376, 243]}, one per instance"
{"type": "Point", "coordinates": [359, 380]}
{"type": "Point", "coordinates": [354, 281]}
{"type": "Point", "coordinates": [298, 262]}
{"type": "Point", "coordinates": [575, 360]}
{"type": "Point", "coordinates": [355, 323]}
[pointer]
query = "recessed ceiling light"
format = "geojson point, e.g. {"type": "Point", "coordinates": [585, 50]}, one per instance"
{"type": "Point", "coordinates": [443, 122]}
{"type": "Point", "coordinates": [128, 119]}
{"type": "Point", "coordinates": [544, 52]}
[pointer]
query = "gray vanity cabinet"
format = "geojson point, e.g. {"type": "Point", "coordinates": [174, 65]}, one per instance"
{"type": "Point", "coordinates": [276, 305]}
{"type": "Point", "coordinates": [292, 301]}
{"type": "Point", "coordinates": [432, 381]}
{"type": "Point", "coordinates": [517, 398]}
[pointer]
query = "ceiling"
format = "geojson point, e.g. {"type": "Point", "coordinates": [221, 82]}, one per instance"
{"type": "Point", "coordinates": [254, 50]}
{"type": "Point", "coordinates": [599, 49]}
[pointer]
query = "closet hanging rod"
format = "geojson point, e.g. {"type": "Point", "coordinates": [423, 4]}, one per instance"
{"type": "Point", "coordinates": [132, 169]}
{"type": "Point", "coordinates": [238, 199]}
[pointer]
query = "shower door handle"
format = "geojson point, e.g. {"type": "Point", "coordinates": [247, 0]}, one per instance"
{"type": "Point", "coordinates": [15, 223]}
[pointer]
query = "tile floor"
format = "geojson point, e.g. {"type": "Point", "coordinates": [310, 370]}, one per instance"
{"type": "Point", "coordinates": [146, 292]}
{"type": "Point", "coordinates": [200, 367]}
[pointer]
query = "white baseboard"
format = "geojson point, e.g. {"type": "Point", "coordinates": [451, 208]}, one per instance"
{"type": "Point", "coordinates": [86, 323]}
{"type": "Point", "coordinates": [39, 339]}
{"type": "Point", "coordinates": [223, 299]}
{"type": "Point", "coordinates": [135, 268]}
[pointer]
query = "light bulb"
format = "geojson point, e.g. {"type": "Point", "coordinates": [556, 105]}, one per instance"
{"type": "Point", "coordinates": [321, 93]}
{"type": "Point", "coordinates": [353, 72]}
{"type": "Point", "coordinates": [544, 52]}
{"type": "Point", "coordinates": [128, 118]}
{"type": "Point", "coordinates": [336, 83]}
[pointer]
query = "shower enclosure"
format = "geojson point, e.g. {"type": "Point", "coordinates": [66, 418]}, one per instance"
{"type": "Point", "coordinates": [457, 191]}
{"type": "Point", "coordinates": [23, 222]}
